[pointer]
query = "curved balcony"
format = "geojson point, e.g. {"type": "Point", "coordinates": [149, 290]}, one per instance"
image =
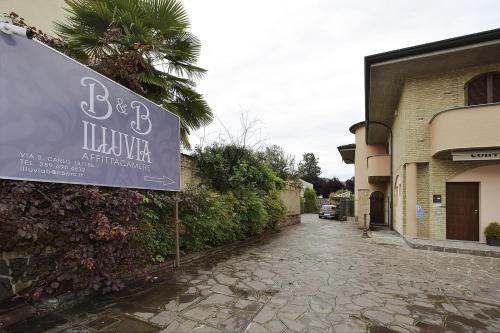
{"type": "Point", "coordinates": [379, 168]}
{"type": "Point", "coordinates": [465, 128]}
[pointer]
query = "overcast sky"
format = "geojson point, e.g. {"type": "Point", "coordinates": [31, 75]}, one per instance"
{"type": "Point", "coordinates": [297, 66]}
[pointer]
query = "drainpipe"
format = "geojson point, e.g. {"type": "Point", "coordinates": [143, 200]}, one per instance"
{"type": "Point", "coordinates": [391, 185]}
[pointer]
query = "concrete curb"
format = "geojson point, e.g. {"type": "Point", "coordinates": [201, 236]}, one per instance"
{"type": "Point", "coordinates": [448, 249]}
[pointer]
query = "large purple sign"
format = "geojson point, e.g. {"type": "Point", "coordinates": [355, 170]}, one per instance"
{"type": "Point", "coordinates": [62, 122]}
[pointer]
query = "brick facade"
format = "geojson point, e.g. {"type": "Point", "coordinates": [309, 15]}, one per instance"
{"type": "Point", "coordinates": [421, 99]}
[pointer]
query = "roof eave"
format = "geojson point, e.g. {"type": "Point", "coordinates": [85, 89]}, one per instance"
{"type": "Point", "coordinates": [476, 38]}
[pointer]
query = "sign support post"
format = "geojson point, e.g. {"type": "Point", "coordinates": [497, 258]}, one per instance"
{"type": "Point", "coordinates": [176, 218]}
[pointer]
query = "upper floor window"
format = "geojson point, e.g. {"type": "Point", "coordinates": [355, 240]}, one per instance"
{"type": "Point", "coordinates": [483, 89]}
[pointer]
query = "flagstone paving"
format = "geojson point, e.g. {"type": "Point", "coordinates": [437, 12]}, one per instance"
{"type": "Point", "coordinates": [320, 276]}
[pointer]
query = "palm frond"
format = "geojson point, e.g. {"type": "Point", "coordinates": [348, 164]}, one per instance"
{"type": "Point", "coordinates": [144, 35]}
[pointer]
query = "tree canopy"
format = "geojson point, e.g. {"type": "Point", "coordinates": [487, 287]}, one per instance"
{"type": "Point", "coordinates": [349, 184]}
{"type": "Point", "coordinates": [281, 163]}
{"type": "Point", "coordinates": [309, 167]}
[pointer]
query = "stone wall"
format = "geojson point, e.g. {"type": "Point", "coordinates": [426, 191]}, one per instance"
{"type": "Point", "coordinates": [291, 198]}
{"type": "Point", "coordinates": [189, 174]}
{"type": "Point", "coordinates": [290, 220]}
{"type": "Point", "coordinates": [423, 199]}
{"type": "Point", "coordinates": [17, 272]}
{"type": "Point", "coordinates": [362, 207]}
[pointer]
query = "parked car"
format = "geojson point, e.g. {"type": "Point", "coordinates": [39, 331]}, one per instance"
{"type": "Point", "coordinates": [328, 212]}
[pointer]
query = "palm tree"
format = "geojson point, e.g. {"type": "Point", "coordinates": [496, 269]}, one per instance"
{"type": "Point", "coordinates": [144, 45]}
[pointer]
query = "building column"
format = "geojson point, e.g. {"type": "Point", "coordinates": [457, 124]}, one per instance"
{"type": "Point", "coordinates": [362, 207]}
{"type": "Point", "coordinates": [411, 200]}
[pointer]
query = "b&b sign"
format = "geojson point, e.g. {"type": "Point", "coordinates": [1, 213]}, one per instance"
{"type": "Point", "coordinates": [62, 122]}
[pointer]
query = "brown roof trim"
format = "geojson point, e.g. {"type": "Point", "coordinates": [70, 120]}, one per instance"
{"type": "Point", "coordinates": [354, 127]}
{"type": "Point", "coordinates": [476, 38]}
{"type": "Point", "coordinates": [345, 147]}
{"type": "Point", "coordinates": [347, 152]}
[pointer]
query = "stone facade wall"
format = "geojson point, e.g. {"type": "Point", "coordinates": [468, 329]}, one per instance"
{"type": "Point", "coordinates": [398, 202]}
{"type": "Point", "coordinates": [423, 199]}
{"type": "Point", "coordinates": [18, 271]}
{"type": "Point", "coordinates": [291, 198]}
{"type": "Point", "coordinates": [362, 207]}
{"type": "Point", "coordinates": [189, 173]}
{"type": "Point", "coordinates": [422, 98]}
{"type": "Point", "coordinates": [387, 203]}
{"type": "Point", "coordinates": [362, 188]}
{"type": "Point", "coordinates": [290, 220]}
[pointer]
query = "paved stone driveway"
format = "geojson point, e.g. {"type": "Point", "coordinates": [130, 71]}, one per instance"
{"type": "Point", "coordinates": [320, 276]}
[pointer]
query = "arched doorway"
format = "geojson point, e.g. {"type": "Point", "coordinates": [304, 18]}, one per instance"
{"type": "Point", "coordinates": [377, 208]}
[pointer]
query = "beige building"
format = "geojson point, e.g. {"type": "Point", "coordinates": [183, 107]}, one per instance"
{"type": "Point", "coordinates": [303, 187]}
{"type": "Point", "coordinates": [427, 155]}
{"type": "Point", "coordinates": [38, 13]}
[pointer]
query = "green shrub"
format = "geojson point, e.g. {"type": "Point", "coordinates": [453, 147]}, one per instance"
{"type": "Point", "coordinates": [251, 210]}
{"type": "Point", "coordinates": [234, 168]}
{"type": "Point", "coordinates": [213, 221]}
{"type": "Point", "coordinates": [276, 209]}
{"type": "Point", "coordinates": [208, 219]}
{"type": "Point", "coordinates": [155, 237]}
{"type": "Point", "coordinates": [492, 230]}
{"type": "Point", "coordinates": [243, 175]}
{"type": "Point", "coordinates": [309, 201]}
{"type": "Point", "coordinates": [155, 241]}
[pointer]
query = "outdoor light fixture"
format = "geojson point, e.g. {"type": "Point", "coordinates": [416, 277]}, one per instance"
{"type": "Point", "coordinates": [10, 29]}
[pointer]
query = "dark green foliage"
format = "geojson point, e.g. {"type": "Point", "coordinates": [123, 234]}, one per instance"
{"type": "Point", "coordinates": [208, 218]}
{"type": "Point", "coordinates": [309, 167]}
{"type": "Point", "coordinates": [252, 211]}
{"type": "Point", "coordinates": [492, 230]}
{"type": "Point", "coordinates": [239, 173]}
{"type": "Point", "coordinates": [155, 237]}
{"type": "Point", "coordinates": [211, 222]}
{"type": "Point", "coordinates": [232, 167]}
{"type": "Point", "coordinates": [309, 201]}
{"type": "Point", "coordinates": [349, 184]}
{"type": "Point", "coordinates": [325, 186]}
{"type": "Point", "coordinates": [282, 164]}
{"type": "Point", "coordinates": [275, 208]}
{"type": "Point", "coordinates": [155, 240]}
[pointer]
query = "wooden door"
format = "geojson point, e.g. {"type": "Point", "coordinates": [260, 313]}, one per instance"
{"type": "Point", "coordinates": [377, 208]}
{"type": "Point", "coordinates": [462, 211]}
